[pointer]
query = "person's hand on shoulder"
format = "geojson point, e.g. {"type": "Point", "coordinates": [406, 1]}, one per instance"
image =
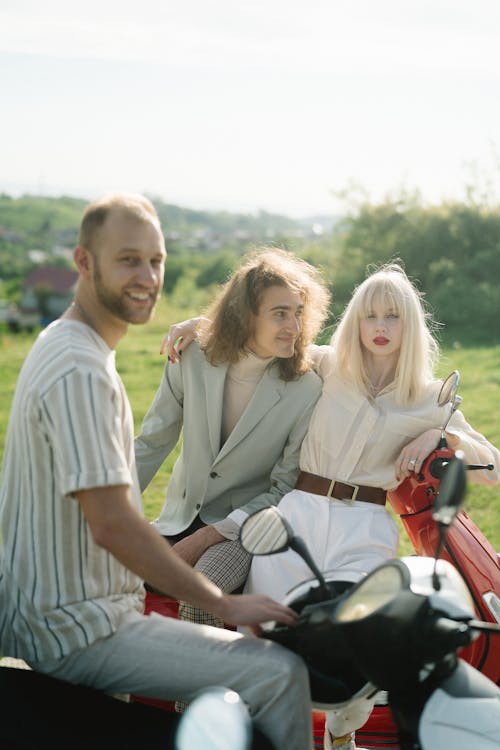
{"type": "Point", "coordinates": [178, 338]}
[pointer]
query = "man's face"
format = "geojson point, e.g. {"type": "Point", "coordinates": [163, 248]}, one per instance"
{"type": "Point", "coordinates": [277, 324]}
{"type": "Point", "coordinates": [129, 264]}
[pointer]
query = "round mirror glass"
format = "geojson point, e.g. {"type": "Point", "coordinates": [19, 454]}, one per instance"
{"type": "Point", "coordinates": [216, 720]}
{"type": "Point", "coordinates": [265, 532]}
{"type": "Point", "coordinates": [449, 388]}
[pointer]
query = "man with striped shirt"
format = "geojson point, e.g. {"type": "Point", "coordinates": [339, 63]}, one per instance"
{"type": "Point", "coordinates": [76, 545]}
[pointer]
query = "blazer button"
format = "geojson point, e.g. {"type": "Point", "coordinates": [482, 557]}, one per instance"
{"type": "Point", "coordinates": [198, 506]}
{"type": "Point", "coordinates": [213, 474]}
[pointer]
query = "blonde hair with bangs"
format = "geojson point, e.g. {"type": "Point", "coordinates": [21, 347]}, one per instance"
{"type": "Point", "coordinates": [419, 351]}
{"type": "Point", "coordinates": [230, 318]}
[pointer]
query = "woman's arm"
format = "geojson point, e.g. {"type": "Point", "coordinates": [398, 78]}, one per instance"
{"type": "Point", "coordinates": [413, 455]}
{"type": "Point", "coordinates": [459, 436]}
{"type": "Point", "coordinates": [476, 447]}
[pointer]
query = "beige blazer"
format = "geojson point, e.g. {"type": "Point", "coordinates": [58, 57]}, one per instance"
{"type": "Point", "coordinates": [256, 466]}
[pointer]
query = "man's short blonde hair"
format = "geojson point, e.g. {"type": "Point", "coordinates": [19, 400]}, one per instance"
{"type": "Point", "coordinates": [132, 205]}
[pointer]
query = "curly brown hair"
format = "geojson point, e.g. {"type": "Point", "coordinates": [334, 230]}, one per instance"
{"type": "Point", "coordinates": [229, 320]}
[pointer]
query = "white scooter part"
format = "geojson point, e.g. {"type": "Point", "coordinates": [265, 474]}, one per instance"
{"type": "Point", "coordinates": [451, 723]}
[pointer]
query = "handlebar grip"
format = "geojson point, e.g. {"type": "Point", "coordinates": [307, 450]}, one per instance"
{"type": "Point", "coordinates": [479, 467]}
{"type": "Point", "coordinates": [452, 632]}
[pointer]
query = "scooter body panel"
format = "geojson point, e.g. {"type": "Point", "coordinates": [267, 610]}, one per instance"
{"type": "Point", "coordinates": [466, 548]}
{"type": "Point", "coordinates": [462, 713]}
{"type": "Point", "coordinates": [451, 723]}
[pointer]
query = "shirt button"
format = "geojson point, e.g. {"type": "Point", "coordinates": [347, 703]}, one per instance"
{"type": "Point", "coordinates": [213, 474]}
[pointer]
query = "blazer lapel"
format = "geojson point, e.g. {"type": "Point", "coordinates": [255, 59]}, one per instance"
{"type": "Point", "coordinates": [267, 394]}
{"type": "Point", "coordinates": [214, 394]}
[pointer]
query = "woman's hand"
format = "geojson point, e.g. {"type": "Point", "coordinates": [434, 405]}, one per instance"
{"type": "Point", "coordinates": [181, 334]}
{"type": "Point", "coordinates": [414, 454]}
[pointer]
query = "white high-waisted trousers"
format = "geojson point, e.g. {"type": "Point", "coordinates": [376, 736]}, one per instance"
{"type": "Point", "coordinates": [350, 538]}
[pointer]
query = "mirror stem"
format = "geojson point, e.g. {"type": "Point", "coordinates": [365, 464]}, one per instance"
{"type": "Point", "coordinates": [297, 544]}
{"type": "Point", "coordinates": [436, 584]}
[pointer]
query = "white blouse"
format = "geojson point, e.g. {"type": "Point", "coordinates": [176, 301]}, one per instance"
{"type": "Point", "coordinates": [355, 438]}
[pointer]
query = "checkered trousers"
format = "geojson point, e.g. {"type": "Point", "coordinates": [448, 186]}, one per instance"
{"type": "Point", "coordinates": [227, 565]}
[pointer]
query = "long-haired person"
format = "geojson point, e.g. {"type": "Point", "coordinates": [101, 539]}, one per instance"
{"type": "Point", "coordinates": [242, 395]}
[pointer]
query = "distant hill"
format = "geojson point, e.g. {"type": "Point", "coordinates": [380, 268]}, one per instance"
{"type": "Point", "coordinates": [32, 227]}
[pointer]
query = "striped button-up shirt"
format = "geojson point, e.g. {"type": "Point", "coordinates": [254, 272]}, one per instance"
{"type": "Point", "coordinates": [70, 429]}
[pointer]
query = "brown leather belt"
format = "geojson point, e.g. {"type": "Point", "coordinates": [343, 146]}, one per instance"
{"type": "Point", "coordinates": [340, 490]}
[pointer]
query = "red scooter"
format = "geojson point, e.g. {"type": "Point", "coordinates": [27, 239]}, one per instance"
{"type": "Point", "coordinates": [464, 546]}
{"type": "Point", "coordinates": [398, 630]}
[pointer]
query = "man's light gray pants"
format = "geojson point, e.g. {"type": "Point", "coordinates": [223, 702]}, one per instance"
{"type": "Point", "coordinates": [160, 657]}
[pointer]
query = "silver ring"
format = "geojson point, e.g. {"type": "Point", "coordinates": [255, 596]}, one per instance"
{"type": "Point", "coordinates": [412, 461]}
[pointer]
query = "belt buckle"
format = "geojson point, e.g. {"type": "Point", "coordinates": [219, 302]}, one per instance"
{"type": "Point", "coordinates": [350, 500]}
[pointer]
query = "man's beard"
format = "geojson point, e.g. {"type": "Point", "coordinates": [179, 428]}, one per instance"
{"type": "Point", "coordinates": [116, 303]}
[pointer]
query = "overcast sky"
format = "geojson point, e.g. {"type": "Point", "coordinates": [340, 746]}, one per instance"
{"type": "Point", "coordinates": [248, 105]}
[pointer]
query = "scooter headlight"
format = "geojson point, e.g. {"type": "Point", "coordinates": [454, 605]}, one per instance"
{"type": "Point", "coordinates": [371, 594]}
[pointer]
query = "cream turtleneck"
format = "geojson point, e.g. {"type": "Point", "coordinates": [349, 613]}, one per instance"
{"type": "Point", "coordinates": [241, 381]}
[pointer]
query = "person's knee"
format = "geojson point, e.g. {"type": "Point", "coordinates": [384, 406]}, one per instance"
{"type": "Point", "coordinates": [290, 669]}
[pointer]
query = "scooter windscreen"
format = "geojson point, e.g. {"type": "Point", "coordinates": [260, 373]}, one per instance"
{"type": "Point", "coordinates": [373, 592]}
{"type": "Point", "coordinates": [413, 574]}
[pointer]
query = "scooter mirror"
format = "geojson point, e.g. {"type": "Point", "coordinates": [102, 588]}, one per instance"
{"type": "Point", "coordinates": [265, 533]}
{"type": "Point", "coordinates": [449, 389]}
{"type": "Point", "coordinates": [451, 491]}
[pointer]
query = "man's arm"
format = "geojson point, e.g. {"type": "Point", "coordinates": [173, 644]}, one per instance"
{"type": "Point", "coordinates": [118, 527]}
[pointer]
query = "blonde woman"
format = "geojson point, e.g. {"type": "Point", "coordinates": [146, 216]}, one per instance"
{"type": "Point", "coordinates": [376, 421]}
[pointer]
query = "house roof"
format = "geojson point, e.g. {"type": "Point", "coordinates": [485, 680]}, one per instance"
{"type": "Point", "coordinates": [56, 279]}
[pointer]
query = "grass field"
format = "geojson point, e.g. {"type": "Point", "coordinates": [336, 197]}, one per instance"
{"type": "Point", "coordinates": [141, 367]}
